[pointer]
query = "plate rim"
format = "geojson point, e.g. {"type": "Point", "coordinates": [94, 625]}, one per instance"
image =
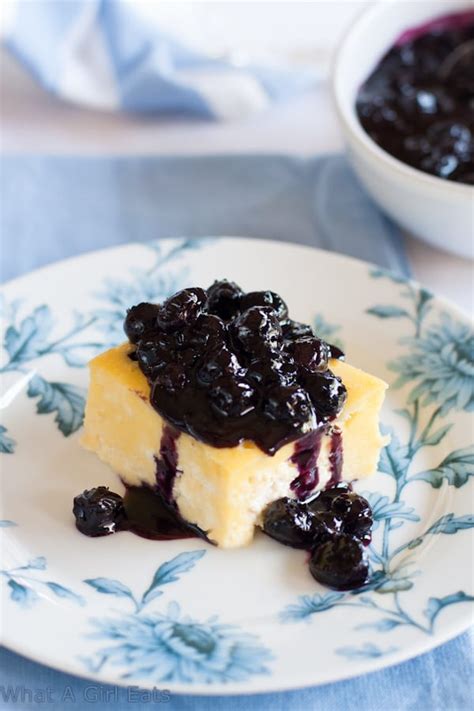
{"type": "Point", "coordinates": [338, 256]}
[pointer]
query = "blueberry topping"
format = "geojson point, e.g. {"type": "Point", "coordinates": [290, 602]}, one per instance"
{"type": "Point", "coordinates": [181, 308]}
{"type": "Point", "coordinates": [351, 508]}
{"type": "Point", "coordinates": [140, 319]}
{"type": "Point", "coordinates": [292, 523]}
{"type": "Point", "coordinates": [325, 526]}
{"type": "Point", "coordinates": [231, 397]}
{"type": "Point", "coordinates": [335, 352]}
{"type": "Point", "coordinates": [217, 363]}
{"type": "Point", "coordinates": [99, 512]}
{"type": "Point", "coordinates": [335, 526]}
{"type": "Point", "coordinates": [172, 378]}
{"type": "Point", "coordinates": [265, 298]}
{"type": "Point", "coordinates": [208, 331]}
{"type": "Point", "coordinates": [274, 369]}
{"type": "Point", "coordinates": [292, 330]}
{"type": "Point", "coordinates": [327, 393]}
{"type": "Point", "coordinates": [288, 403]}
{"type": "Point", "coordinates": [289, 522]}
{"type": "Point", "coordinates": [310, 354]}
{"type": "Point", "coordinates": [340, 563]}
{"type": "Point", "coordinates": [224, 299]}
{"type": "Point", "coordinates": [226, 366]}
{"type": "Point", "coordinates": [417, 102]}
{"type": "Point", "coordinates": [356, 513]}
{"type": "Point", "coordinates": [151, 355]}
{"type": "Point", "coordinates": [257, 329]}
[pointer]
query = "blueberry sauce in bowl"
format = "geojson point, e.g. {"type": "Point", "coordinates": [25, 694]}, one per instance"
{"type": "Point", "coordinates": [418, 102]}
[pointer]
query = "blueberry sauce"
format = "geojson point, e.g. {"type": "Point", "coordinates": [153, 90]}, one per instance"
{"type": "Point", "coordinates": [305, 458]}
{"type": "Point", "coordinates": [418, 103]}
{"type": "Point", "coordinates": [167, 463]}
{"type": "Point", "coordinates": [336, 457]}
{"type": "Point", "coordinates": [149, 516]}
{"type": "Point", "coordinates": [227, 366]}
{"type": "Point", "coordinates": [334, 526]}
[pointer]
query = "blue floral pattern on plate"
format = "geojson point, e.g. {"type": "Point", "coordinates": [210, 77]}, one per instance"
{"type": "Point", "coordinates": [440, 369]}
{"type": "Point", "coordinates": [170, 646]}
{"type": "Point", "coordinates": [149, 638]}
{"type": "Point", "coordinates": [29, 337]}
{"type": "Point", "coordinates": [24, 582]}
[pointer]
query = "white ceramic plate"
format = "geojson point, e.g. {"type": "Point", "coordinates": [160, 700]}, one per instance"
{"type": "Point", "coordinates": [182, 614]}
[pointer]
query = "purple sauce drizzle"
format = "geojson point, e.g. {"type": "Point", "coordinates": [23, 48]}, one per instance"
{"type": "Point", "coordinates": [306, 456]}
{"type": "Point", "coordinates": [167, 463]}
{"type": "Point", "coordinates": [336, 457]}
{"type": "Point", "coordinates": [150, 516]}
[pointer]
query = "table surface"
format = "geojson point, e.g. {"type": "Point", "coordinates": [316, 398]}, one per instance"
{"type": "Point", "coordinates": [34, 122]}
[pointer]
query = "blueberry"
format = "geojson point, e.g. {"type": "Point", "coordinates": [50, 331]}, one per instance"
{"type": "Point", "coordinates": [172, 378]}
{"type": "Point", "coordinates": [352, 509]}
{"type": "Point", "coordinates": [216, 364]}
{"type": "Point", "coordinates": [187, 357]}
{"type": "Point", "coordinates": [289, 522]}
{"type": "Point", "coordinates": [151, 356]}
{"type": "Point", "coordinates": [288, 403]}
{"type": "Point", "coordinates": [327, 392]}
{"type": "Point", "coordinates": [256, 329]}
{"type": "Point", "coordinates": [325, 526]}
{"type": "Point", "coordinates": [335, 352]}
{"type": "Point", "coordinates": [417, 145]}
{"type": "Point", "coordinates": [340, 563]}
{"type": "Point", "coordinates": [223, 299]}
{"type": "Point", "coordinates": [231, 397]}
{"type": "Point", "coordinates": [450, 136]}
{"type": "Point", "coordinates": [292, 523]}
{"type": "Point", "coordinates": [355, 512]}
{"type": "Point", "coordinates": [99, 512]}
{"type": "Point", "coordinates": [292, 330]}
{"type": "Point", "coordinates": [443, 166]}
{"type": "Point", "coordinates": [310, 354]}
{"type": "Point", "coordinates": [140, 319]}
{"type": "Point", "coordinates": [265, 298]}
{"type": "Point", "coordinates": [322, 501]}
{"type": "Point", "coordinates": [272, 369]}
{"type": "Point", "coordinates": [209, 331]}
{"type": "Point", "coordinates": [182, 308]}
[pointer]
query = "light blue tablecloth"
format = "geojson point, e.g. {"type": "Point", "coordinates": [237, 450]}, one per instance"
{"type": "Point", "coordinates": [54, 208]}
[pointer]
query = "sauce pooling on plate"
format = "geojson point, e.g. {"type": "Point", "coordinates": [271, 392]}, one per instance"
{"type": "Point", "coordinates": [418, 103]}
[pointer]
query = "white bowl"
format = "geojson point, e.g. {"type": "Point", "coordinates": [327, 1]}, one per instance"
{"type": "Point", "coordinates": [438, 211]}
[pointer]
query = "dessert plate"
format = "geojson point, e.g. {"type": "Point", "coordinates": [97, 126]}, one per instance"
{"type": "Point", "coordinates": [183, 614]}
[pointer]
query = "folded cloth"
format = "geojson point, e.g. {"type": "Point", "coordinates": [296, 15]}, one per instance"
{"type": "Point", "coordinates": [104, 54]}
{"type": "Point", "coordinates": [54, 208]}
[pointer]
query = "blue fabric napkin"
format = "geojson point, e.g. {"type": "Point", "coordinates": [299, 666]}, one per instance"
{"type": "Point", "coordinates": [57, 207]}
{"type": "Point", "coordinates": [53, 208]}
{"type": "Point", "coordinates": [103, 54]}
{"type": "Point", "coordinates": [441, 680]}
